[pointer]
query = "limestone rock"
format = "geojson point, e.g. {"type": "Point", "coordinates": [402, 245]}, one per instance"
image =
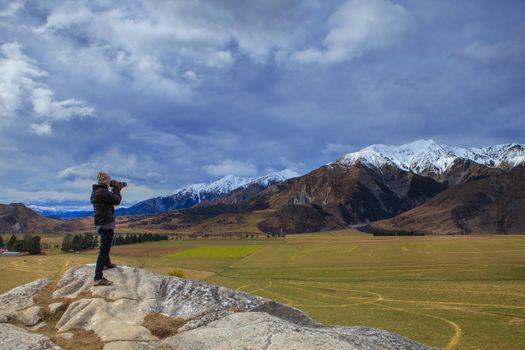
{"type": "Point", "coordinates": [14, 338]}
{"type": "Point", "coordinates": [53, 307]}
{"type": "Point", "coordinates": [30, 316]}
{"type": "Point", "coordinates": [136, 293]}
{"type": "Point", "coordinates": [37, 326]}
{"type": "Point", "coordinates": [66, 335]}
{"type": "Point", "coordinates": [118, 320]}
{"type": "Point", "coordinates": [19, 298]}
{"type": "Point", "coordinates": [126, 345]}
{"type": "Point", "coordinates": [258, 330]}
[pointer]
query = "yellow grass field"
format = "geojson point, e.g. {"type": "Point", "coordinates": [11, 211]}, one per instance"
{"type": "Point", "coordinates": [456, 292]}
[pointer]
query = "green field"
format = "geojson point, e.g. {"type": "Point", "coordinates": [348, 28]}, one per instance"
{"type": "Point", "coordinates": [458, 292]}
{"type": "Point", "coordinates": [239, 251]}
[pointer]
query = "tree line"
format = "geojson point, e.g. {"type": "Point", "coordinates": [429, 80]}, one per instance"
{"type": "Point", "coordinates": [138, 238]}
{"type": "Point", "coordinates": [28, 243]}
{"type": "Point", "coordinates": [75, 243]}
{"type": "Point", "coordinates": [78, 242]}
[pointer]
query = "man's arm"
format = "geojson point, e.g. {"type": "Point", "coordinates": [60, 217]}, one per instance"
{"type": "Point", "coordinates": [113, 197]}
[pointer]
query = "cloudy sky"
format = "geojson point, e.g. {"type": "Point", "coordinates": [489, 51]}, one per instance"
{"type": "Point", "coordinates": [169, 93]}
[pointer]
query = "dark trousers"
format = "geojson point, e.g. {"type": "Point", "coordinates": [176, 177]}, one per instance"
{"type": "Point", "coordinates": [106, 237]}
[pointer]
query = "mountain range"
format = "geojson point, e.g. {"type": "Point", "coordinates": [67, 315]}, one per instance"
{"type": "Point", "coordinates": [381, 182]}
{"type": "Point", "coordinates": [420, 187]}
{"type": "Point", "coordinates": [429, 158]}
{"type": "Point", "coordinates": [191, 195]}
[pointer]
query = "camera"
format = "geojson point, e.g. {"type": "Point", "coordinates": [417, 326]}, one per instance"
{"type": "Point", "coordinates": [119, 184]}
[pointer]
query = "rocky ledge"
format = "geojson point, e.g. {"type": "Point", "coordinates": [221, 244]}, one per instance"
{"type": "Point", "coordinates": [145, 310]}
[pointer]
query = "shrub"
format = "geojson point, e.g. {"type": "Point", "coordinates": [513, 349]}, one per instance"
{"type": "Point", "coordinates": [177, 273]}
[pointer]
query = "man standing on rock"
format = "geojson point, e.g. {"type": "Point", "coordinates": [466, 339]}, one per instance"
{"type": "Point", "coordinates": [103, 201]}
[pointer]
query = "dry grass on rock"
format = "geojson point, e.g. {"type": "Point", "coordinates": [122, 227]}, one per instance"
{"type": "Point", "coordinates": [81, 339]}
{"type": "Point", "coordinates": [162, 326]}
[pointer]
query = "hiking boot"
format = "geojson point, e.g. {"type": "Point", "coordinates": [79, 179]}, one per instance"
{"type": "Point", "coordinates": [102, 282]}
{"type": "Point", "coordinates": [109, 266]}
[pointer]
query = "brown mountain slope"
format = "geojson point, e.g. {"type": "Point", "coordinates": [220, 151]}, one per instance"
{"type": "Point", "coordinates": [330, 197]}
{"type": "Point", "coordinates": [17, 218]}
{"type": "Point", "coordinates": [464, 170]}
{"type": "Point", "coordinates": [336, 195]}
{"type": "Point", "coordinates": [356, 194]}
{"type": "Point", "coordinates": [493, 203]}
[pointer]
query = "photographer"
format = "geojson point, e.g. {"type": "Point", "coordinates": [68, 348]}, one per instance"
{"type": "Point", "coordinates": [103, 201]}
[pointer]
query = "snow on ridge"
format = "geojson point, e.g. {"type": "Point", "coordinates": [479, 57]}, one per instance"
{"type": "Point", "coordinates": [230, 183]}
{"type": "Point", "coordinates": [42, 209]}
{"type": "Point", "coordinates": [429, 156]}
{"type": "Point", "coordinates": [276, 176]}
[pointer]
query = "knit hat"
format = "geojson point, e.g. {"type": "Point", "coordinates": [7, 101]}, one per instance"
{"type": "Point", "coordinates": [103, 178]}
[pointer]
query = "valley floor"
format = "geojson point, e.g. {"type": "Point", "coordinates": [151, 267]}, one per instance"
{"type": "Point", "coordinates": [457, 292]}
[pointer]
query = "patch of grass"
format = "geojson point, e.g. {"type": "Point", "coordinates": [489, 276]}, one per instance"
{"type": "Point", "coordinates": [15, 271]}
{"type": "Point", "coordinates": [177, 273]}
{"type": "Point", "coordinates": [216, 252]}
{"type": "Point", "coordinates": [162, 326]}
{"type": "Point", "coordinates": [82, 339]}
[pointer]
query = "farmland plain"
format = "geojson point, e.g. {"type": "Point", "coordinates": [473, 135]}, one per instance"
{"type": "Point", "coordinates": [455, 292]}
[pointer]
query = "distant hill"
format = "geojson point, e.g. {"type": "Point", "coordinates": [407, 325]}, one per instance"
{"type": "Point", "coordinates": [17, 218]}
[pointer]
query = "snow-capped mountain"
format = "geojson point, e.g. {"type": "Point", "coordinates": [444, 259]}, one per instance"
{"type": "Point", "coordinates": [59, 213]}
{"type": "Point", "coordinates": [232, 182]}
{"type": "Point", "coordinates": [188, 196]}
{"type": "Point", "coordinates": [430, 157]}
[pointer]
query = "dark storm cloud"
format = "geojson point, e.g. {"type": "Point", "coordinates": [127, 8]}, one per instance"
{"type": "Point", "coordinates": [169, 93]}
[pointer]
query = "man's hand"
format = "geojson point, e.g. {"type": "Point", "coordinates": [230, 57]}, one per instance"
{"type": "Point", "coordinates": [118, 184]}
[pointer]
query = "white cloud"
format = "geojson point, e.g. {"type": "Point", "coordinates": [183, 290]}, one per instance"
{"type": "Point", "coordinates": [158, 43]}
{"type": "Point", "coordinates": [289, 164]}
{"type": "Point", "coordinates": [11, 9]}
{"type": "Point", "coordinates": [231, 167]}
{"type": "Point", "coordinates": [41, 129]}
{"type": "Point", "coordinates": [491, 53]}
{"type": "Point", "coordinates": [21, 88]}
{"type": "Point", "coordinates": [190, 75]}
{"type": "Point", "coordinates": [46, 107]}
{"type": "Point", "coordinates": [120, 167]}
{"type": "Point", "coordinates": [115, 163]}
{"type": "Point", "coordinates": [356, 27]}
{"type": "Point", "coordinates": [18, 76]}
{"type": "Point", "coordinates": [219, 59]}
{"type": "Point", "coordinates": [44, 195]}
{"type": "Point", "coordinates": [337, 148]}
{"type": "Point", "coordinates": [77, 191]}
{"type": "Point", "coordinates": [68, 14]}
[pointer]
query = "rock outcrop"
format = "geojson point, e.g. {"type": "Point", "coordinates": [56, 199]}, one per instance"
{"type": "Point", "coordinates": [205, 316]}
{"type": "Point", "coordinates": [15, 338]}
